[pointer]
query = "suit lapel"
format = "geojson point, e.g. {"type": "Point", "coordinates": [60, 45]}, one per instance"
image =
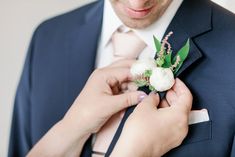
{"type": "Point", "coordinates": [192, 20]}
{"type": "Point", "coordinates": [82, 48]}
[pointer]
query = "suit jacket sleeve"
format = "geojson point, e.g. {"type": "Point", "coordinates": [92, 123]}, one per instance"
{"type": "Point", "coordinates": [20, 139]}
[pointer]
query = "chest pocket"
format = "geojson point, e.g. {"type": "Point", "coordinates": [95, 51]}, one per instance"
{"type": "Point", "coordinates": [199, 132]}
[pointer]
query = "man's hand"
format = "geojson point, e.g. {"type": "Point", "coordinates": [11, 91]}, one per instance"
{"type": "Point", "coordinates": [153, 131]}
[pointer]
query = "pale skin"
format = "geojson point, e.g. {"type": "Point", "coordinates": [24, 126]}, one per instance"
{"type": "Point", "coordinates": [101, 98]}
{"type": "Point", "coordinates": [156, 127]}
{"type": "Point", "coordinates": [139, 14]}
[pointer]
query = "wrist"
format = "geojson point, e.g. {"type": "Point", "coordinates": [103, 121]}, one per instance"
{"type": "Point", "coordinates": [126, 148]}
{"type": "Point", "coordinates": [60, 140]}
{"type": "Point", "coordinates": [73, 138]}
{"type": "Point", "coordinates": [76, 131]}
{"type": "Point", "coordinates": [78, 121]}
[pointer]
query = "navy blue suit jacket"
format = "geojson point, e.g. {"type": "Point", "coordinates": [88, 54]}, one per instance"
{"type": "Point", "coordinates": [62, 56]}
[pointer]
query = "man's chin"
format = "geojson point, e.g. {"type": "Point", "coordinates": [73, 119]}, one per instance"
{"type": "Point", "coordinates": [136, 23]}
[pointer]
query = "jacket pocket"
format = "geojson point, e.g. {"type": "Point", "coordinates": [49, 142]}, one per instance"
{"type": "Point", "coordinates": [199, 132]}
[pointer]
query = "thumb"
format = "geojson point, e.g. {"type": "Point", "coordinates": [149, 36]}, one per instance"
{"type": "Point", "coordinates": [152, 100]}
{"type": "Point", "coordinates": [127, 99]}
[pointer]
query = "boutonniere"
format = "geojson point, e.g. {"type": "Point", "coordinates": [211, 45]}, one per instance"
{"type": "Point", "coordinates": [158, 74]}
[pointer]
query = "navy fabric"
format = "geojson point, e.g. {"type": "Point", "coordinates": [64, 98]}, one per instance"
{"type": "Point", "coordinates": [62, 56]}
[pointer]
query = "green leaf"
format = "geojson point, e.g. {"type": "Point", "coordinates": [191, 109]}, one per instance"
{"type": "Point", "coordinates": [158, 44]}
{"type": "Point", "coordinates": [167, 62]}
{"type": "Point", "coordinates": [160, 62]}
{"type": "Point", "coordinates": [141, 83]}
{"type": "Point", "coordinates": [147, 73]}
{"type": "Point", "coordinates": [183, 54]}
{"type": "Point", "coordinates": [151, 88]}
{"type": "Point", "coordinates": [178, 68]}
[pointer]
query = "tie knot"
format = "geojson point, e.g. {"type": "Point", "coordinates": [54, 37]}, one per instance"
{"type": "Point", "coordinates": [127, 45]}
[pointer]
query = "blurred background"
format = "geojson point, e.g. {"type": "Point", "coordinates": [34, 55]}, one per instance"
{"type": "Point", "coordinates": [18, 19]}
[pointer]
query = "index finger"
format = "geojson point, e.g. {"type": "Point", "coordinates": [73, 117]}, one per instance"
{"type": "Point", "coordinates": [120, 74]}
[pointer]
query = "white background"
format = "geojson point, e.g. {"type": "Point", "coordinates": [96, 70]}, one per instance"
{"type": "Point", "coordinates": [18, 19]}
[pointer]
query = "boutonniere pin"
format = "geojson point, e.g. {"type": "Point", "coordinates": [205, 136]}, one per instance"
{"type": "Point", "coordinates": [158, 74]}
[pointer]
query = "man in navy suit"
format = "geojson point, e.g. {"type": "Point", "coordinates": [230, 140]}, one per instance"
{"type": "Point", "coordinates": [66, 49]}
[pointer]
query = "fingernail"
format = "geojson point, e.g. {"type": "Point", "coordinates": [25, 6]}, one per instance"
{"type": "Point", "coordinates": [141, 97]}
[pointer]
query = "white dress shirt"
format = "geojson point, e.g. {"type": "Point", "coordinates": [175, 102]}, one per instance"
{"type": "Point", "coordinates": [111, 23]}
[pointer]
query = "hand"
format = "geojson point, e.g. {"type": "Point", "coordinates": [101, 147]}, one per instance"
{"type": "Point", "coordinates": [100, 98]}
{"type": "Point", "coordinates": [152, 131]}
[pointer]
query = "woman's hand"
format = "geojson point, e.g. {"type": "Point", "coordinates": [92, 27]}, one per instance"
{"type": "Point", "coordinates": [100, 98]}
{"type": "Point", "coordinates": [152, 131]}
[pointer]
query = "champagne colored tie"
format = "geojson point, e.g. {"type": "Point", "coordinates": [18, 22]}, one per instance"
{"type": "Point", "coordinates": [125, 46]}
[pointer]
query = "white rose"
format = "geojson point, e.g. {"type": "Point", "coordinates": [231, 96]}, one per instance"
{"type": "Point", "coordinates": [140, 66]}
{"type": "Point", "coordinates": [162, 79]}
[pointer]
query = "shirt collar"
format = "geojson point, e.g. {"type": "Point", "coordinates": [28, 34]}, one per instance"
{"type": "Point", "coordinates": [111, 23]}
